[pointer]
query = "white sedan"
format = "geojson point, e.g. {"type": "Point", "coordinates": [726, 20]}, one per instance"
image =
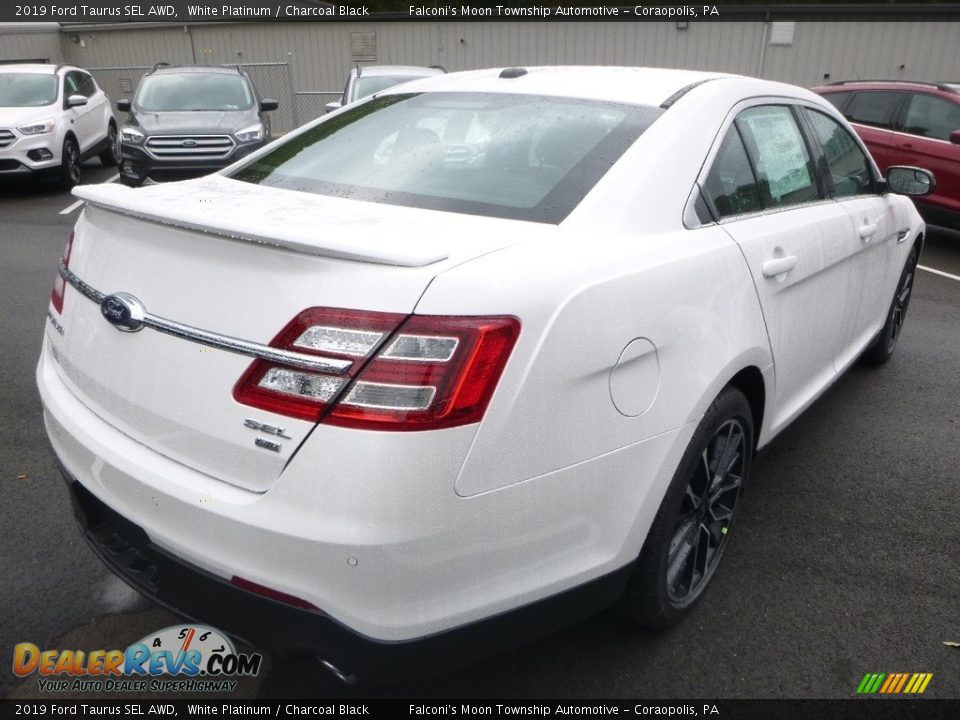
{"type": "Point", "coordinates": [477, 356]}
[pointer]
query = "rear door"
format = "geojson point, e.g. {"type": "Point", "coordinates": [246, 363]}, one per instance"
{"type": "Point", "coordinates": [927, 123]}
{"type": "Point", "coordinates": [848, 176]}
{"type": "Point", "coordinates": [796, 241]}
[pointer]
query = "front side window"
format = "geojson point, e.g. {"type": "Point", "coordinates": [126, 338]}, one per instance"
{"type": "Point", "coordinates": [779, 155]}
{"type": "Point", "coordinates": [502, 155]}
{"type": "Point", "coordinates": [27, 89]}
{"type": "Point", "coordinates": [874, 108]}
{"type": "Point", "coordinates": [847, 164]}
{"type": "Point", "coordinates": [731, 186]}
{"type": "Point", "coordinates": [931, 117]}
{"type": "Point", "coordinates": [87, 87]}
{"type": "Point", "coordinates": [193, 92]}
{"type": "Point", "coordinates": [71, 84]}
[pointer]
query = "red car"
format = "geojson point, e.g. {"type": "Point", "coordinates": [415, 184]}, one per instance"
{"type": "Point", "coordinates": [909, 123]}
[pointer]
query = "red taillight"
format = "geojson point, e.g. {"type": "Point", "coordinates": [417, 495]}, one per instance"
{"type": "Point", "coordinates": [59, 284]}
{"type": "Point", "coordinates": [421, 373]}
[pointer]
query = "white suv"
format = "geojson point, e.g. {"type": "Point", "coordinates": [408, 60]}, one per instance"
{"type": "Point", "coordinates": [52, 117]}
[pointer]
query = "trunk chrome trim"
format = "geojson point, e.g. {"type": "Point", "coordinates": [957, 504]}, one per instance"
{"type": "Point", "coordinates": [288, 358]}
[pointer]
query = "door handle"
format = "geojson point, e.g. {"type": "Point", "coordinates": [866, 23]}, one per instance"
{"type": "Point", "coordinates": [779, 266]}
{"type": "Point", "coordinates": [867, 231]}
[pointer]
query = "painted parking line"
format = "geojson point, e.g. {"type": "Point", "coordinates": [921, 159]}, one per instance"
{"type": "Point", "coordinates": [78, 203]}
{"type": "Point", "coordinates": [938, 272]}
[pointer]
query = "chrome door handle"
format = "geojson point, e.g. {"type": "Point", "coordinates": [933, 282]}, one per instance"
{"type": "Point", "coordinates": [779, 266]}
{"type": "Point", "coordinates": [867, 231]}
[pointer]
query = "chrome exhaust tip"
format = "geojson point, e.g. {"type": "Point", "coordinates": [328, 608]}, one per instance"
{"type": "Point", "coordinates": [344, 677]}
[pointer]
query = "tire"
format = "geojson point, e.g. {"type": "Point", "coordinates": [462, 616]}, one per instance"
{"type": "Point", "coordinates": [70, 162]}
{"type": "Point", "coordinates": [130, 182]}
{"type": "Point", "coordinates": [691, 530]}
{"type": "Point", "coordinates": [882, 348]}
{"type": "Point", "coordinates": [110, 157]}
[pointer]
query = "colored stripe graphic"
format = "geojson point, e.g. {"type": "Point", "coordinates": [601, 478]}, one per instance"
{"type": "Point", "coordinates": [894, 683]}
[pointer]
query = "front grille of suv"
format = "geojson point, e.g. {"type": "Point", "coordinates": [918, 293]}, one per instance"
{"type": "Point", "coordinates": [190, 147]}
{"type": "Point", "coordinates": [7, 138]}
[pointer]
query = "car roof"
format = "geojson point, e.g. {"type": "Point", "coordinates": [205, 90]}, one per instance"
{"type": "Point", "coordinates": [198, 69]}
{"type": "Point", "coordinates": [634, 85]}
{"type": "Point", "coordinates": [41, 68]}
{"type": "Point", "coordinates": [414, 70]}
{"type": "Point", "coordinates": [950, 88]}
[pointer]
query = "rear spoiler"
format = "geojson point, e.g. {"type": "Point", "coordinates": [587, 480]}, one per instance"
{"type": "Point", "coordinates": [269, 217]}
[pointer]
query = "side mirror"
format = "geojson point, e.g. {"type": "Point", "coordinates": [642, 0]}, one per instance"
{"type": "Point", "coordinates": [904, 180]}
{"type": "Point", "coordinates": [268, 105]}
{"type": "Point", "coordinates": [955, 137]}
{"type": "Point", "coordinates": [124, 105]}
{"type": "Point", "coordinates": [76, 101]}
{"type": "Point", "coordinates": [331, 106]}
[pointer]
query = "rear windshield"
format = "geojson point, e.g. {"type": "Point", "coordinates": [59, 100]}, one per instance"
{"type": "Point", "coordinates": [193, 91]}
{"type": "Point", "coordinates": [27, 89]}
{"type": "Point", "coordinates": [511, 156]}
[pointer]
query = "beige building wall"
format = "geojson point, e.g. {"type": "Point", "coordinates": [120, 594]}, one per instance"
{"type": "Point", "coordinates": [820, 48]}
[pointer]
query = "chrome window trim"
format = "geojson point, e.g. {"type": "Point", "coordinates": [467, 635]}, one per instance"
{"type": "Point", "coordinates": [288, 358]}
{"type": "Point", "coordinates": [900, 132]}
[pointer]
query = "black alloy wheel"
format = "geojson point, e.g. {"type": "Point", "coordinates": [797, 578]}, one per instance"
{"type": "Point", "coordinates": [110, 157]}
{"type": "Point", "coordinates": [70, 165]}
{"type": "Point", "coordinates": [706, 512]}
{"type": "Point", "coordinates": [692, 528]}
{"type": "Point", "coordinates": [882, 348]}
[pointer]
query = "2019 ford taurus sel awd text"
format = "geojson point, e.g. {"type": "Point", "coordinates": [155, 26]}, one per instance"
{"type": "Point", "coordinates": [479, 355]}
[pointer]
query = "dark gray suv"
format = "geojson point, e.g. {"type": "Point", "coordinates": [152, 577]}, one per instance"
{"type": "Point", "coordinates": [189, 121]}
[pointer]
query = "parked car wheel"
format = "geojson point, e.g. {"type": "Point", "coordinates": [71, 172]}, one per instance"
{"type": "Point", "coordinates": [691, 529]}
{"type": "Point", "coordinates": [110, 157]}
{"type": "Point", "coordinates": [130, 182]}
{"type": "Point", "coordinates": [70, 171]}
{"type": "Point", "coordinates": [886, 342]}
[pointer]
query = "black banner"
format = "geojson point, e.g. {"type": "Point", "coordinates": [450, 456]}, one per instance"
{"type": "Point", "coordinates": [190, 11]}
{"type": "Point", "coordinates": [470, 709]}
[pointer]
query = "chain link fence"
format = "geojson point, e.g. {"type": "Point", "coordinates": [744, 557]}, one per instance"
{"type": "Point", "coordinates": [272, 80]}
{"type": "Point", "coordinates": [309, 105]}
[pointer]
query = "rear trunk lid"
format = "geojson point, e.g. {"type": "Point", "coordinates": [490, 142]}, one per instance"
{"type": "Point", "coordinates": [240, 261]}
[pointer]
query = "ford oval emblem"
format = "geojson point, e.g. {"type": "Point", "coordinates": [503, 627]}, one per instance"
{"type": "Point", "coordinates": [189, 143]}
{"type": "Point", "coordinates": [123, 311]}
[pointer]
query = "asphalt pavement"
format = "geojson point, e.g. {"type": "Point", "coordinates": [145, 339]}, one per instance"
{"type": "Point", "coordinates": [844, 559]}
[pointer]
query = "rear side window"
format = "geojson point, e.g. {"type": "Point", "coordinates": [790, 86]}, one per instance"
{"type": "Point", "coordinates": [874, 108]}
{"type": "Point", "coordinates": [731, 185]}
{"type": "Point", "coordinates": [837, 99]}
{"type": "Point", "coordinates": [779, 155]}
{"type": "Point", "coordinates": [848, 166]}
{"type": "Point", "coordinates": [931, 117]}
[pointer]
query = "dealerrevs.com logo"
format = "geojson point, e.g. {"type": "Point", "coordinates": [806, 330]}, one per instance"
{"type": "Point", "coordinates": [180, 658]}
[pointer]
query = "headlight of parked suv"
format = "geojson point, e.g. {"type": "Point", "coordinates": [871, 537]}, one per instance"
{"type": "Point", "coordinates": [134, 137]}
{"type": "Point", "coordinates": [38, 128]}
{"type": "Point", "coordinates": [250, 134]}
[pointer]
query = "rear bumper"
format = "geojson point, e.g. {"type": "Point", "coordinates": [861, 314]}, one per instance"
{"type": "Point", "coordinates": [392, 557]}
{"type": "Point", "coordinates": [198, 595]}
